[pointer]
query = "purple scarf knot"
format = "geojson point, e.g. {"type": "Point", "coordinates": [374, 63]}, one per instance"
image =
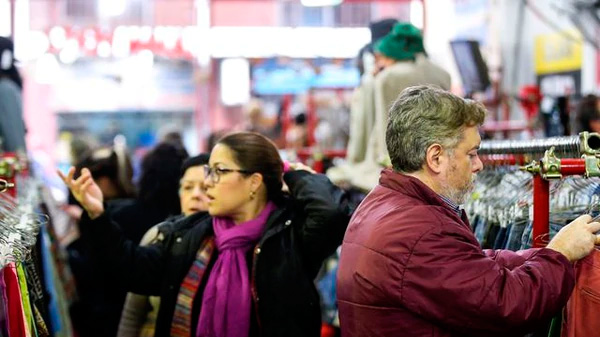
{"type": "Point", "coordinates": [226, 301]}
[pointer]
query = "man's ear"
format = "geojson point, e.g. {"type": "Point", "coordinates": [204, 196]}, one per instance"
{"type": "Point", "coordinates": [434, 158]}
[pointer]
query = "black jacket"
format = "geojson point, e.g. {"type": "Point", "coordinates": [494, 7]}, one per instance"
{"type": "Point", "coordinates": [298, 236]}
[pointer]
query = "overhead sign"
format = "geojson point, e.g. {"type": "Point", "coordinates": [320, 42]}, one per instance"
{"type": "Point", "coordinates": [558, 52]}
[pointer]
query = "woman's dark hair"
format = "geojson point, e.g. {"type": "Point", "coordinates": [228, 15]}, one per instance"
{"type": "Point", "coordinates": [214, 137]}
{"type": "Point", "coordinates": [13, 75]}
{"type": "Point", "coordinates": [587, 110]}
{"type": "Point", "coordinates": [199, 160]}
{"type": "Point", "coordinates": [113, 164]}
{"type": "Point", "coordinates": [6, 45]}
{"type": "Point", "coordinates": [159, 180]}
{"type": "Point", "coordinates": [256, 153]}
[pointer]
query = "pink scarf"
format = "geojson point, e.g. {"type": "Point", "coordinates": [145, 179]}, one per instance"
{"type": "Point", "coordinates": [226, 302]}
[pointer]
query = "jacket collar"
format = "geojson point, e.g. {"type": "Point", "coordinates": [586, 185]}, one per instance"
{"type": "Point", "coordinates": [416, 189]}
{"type": "Point", "coordinates": [410, 186]}
{"type": "Point", "coordinates": [191, 220]}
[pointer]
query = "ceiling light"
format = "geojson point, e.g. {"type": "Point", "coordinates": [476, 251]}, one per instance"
{"type": "Point", "coordinates": [320, 3]}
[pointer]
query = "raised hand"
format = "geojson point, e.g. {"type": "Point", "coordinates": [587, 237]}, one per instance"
{"type": "Point", "coordinates": [577, 239]}
{"type": "Point", "coordinates": [86, 191]}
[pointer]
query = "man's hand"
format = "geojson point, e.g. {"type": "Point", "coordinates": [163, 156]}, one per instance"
{"type": "Point", "coordinates": [577, 239]}
{"type": "Point", "coordinates": [85, 191]}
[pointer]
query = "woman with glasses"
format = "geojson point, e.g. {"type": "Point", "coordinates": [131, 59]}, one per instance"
{"type": "Point", "coordinates": [248, 269]}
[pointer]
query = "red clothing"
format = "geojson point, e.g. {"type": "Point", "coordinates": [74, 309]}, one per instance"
{"type": "Point", "coordinates": [584, 305]}
{"type": "Point", "coordinates": [16, 316]}
{"type": "Point", "coordinates": [410, 266]}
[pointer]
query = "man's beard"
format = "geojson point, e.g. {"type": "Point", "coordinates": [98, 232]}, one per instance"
{"type": "Point", "coordinates": [459, 195]}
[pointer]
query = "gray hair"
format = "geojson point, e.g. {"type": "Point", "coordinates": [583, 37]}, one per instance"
{"type": "Point", "coordinates": [426, 115]}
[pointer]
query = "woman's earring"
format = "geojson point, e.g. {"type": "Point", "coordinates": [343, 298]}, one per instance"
{"type": "Point", "coordinates": [252, 193]}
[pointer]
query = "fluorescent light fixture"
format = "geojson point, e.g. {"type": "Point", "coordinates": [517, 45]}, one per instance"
{"type": "Point", "coordinates": [321, 3]}
{"type": "Point", "coordinates": [235, 81]}
{"type": "Point", "coordinates": [416, 13]}
{"type": "Point", "coordinates": [104, 49]}
{"type": "Point", "coordinates": [70, 53]}
{"type": "Point", "coordinates": [46, 69]}
{"type": "Point", "coordinates": [108, 8]}
{"type": "Point", "coordinates": [5, 18]}
{"type": "Point", "coordinates": [58, 37]}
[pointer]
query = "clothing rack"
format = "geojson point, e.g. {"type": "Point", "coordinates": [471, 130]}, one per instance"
{"type": "Point", "coordinates": [584, 143]}
{"type": "Point", "coordinates": [9, 168]}
{"type": "Point", "coordinates": [33, 297]}
{"type": "Point", "coordinates": [585, 146]}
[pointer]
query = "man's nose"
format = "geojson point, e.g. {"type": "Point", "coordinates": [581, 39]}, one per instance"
{"type": "Point", "coordinates": [478, 165]}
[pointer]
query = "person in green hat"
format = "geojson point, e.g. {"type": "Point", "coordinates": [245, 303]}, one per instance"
{"type": "Point", "coordinates": [403, 43]}
{"type": "Point", "coordinates": [401, 62]}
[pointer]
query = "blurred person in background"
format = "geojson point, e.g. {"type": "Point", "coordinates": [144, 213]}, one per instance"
{"type": "Point", "coordinates": [140, 312]}
{"type": "Point", "coordinates": [297, 135]}
{"type": "Point", "coordinates": [12, 126]}
{"type": "Point", "coordinates": [401, 62]}
{"type": "Point", "coordinates": [588, 113]}
{"type": "Point", "coordinates": [248, 269]}
{"type": "Point", "coordinates": [173, 137]}
{"type": "Point", "coordinates": [158, 192]}
{"type": "Point", "coordinates": [112, 167]}
{"type": "Point", "coordinates": [157, 199]}
{"type": "Point", "coordinates": [213, 138]}
{"type": "Point", "coordinates": [365, 59]}
{"type": "Point", "coordinates": [362, 105]}
{"type": "Point", "coordinates": [256, 121]}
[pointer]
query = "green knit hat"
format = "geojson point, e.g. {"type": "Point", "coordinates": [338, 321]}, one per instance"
{"type": "Point", "coordinates": [402, 43]}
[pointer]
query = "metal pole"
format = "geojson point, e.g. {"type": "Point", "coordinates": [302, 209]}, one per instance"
{"type": "Point", "coordinates": [572, 167]}
{"type": "Point", "coordinates": [541, 210]}
{"type": "Point", "coordinates": [12, 9]}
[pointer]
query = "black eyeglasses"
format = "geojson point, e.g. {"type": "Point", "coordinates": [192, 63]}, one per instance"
{"type": "Point", "coordinates": [215, 173]}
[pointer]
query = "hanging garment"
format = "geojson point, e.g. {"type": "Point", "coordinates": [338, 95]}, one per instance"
{"type": "Point", "coordinates": [58, 310]}
{"type": "Point", "coordinates": [29, 321]}
{"type": "Point", "coordinates": [32, 275]}
{"type": "Point", "coordinates": [16, 317]}
{"type": "Point", "coordinates": [3, 308]}
{"type": "Point", "coordinates": [581, 318]}
{"type": "Point", "coordinates": [515, 234]}
{"type": "Point", "coordinates": [40, 325]}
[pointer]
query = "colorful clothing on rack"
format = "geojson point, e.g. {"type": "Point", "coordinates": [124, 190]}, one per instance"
{"type": "Point", "coordinates": [32, 270]}
{"type": "Point", "coordinates": [16, 317]}
{"type": "Point", "coordinates": [3, 308]}
{"type": "Point", "coordinates": [58, 310]}
{"type": "Point", "coordinates": [40, 324]}
{"type": "Point", "coordinates": [29, 323]}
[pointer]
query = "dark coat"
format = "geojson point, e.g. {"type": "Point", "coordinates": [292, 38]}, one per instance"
{"type": "Point", "coordinates": [410, 266]}
{"type": "Point", "coordinates": [298, 236]}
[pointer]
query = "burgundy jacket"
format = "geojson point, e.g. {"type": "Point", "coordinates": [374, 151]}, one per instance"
{"type": "Point", "coordinates": [410, 266]}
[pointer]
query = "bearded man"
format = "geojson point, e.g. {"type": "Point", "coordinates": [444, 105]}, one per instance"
{"type": "Point", "coordinates": [410, 264]}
